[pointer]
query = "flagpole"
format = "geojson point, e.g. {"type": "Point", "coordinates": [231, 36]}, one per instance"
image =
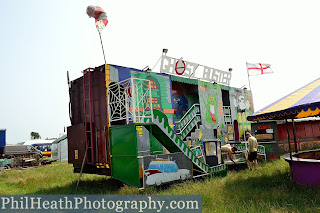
{"type": "Point", "coordinates": [249, 85]}
{"type": "Point", "coordinates": [105, 62]}
{"type": "Point", "coordinates": [248, 76]}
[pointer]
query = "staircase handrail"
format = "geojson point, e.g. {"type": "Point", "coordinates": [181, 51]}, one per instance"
{"type": "Point", "coordinates": [191, 108]}
{"type": "Point", "coordinates": [181, 130]}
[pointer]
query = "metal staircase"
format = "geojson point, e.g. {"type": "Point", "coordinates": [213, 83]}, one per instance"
{"type": "Point", "coordinates": [173, 143]}
{"type": "Point", "coordinates": [188, 121]}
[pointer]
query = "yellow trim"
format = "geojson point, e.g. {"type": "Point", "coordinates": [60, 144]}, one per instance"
{"type": "Point", "coordinates": [102, 166]}
{"type": "Point", "coordinates": [171, 125]}
{"type": "Point", "coordinates": [301, 114]}
{"type": "Point", "coordinates": [292, 99]}
{"type": "Point", "coordinates": [308, 113]}
{"type": "Point", "coordinates": [159, 159]}
{"type": "Point", "coordinates": [107, 73]}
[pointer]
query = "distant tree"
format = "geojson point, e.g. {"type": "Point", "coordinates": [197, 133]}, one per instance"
{"type": "Point", "coordinates": [35, 135]}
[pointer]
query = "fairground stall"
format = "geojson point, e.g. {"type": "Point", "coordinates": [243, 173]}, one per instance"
{"type": "Point", "coordinates": [147, 128]}
{"type": "Point", "coordinates": [302, 103]}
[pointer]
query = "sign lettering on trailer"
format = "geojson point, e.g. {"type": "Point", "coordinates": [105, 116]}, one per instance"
{"type": "Point", "coordinates": [173, 66]}
{"type": "Point", "coordinates": [264, 127]}
{"type": "Point", "coordinates": [180, 67]}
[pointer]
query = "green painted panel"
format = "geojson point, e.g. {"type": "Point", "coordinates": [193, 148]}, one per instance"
{"type": "Point", "coordinates": [163, 92]}
{"type": "Point", "coordinates": [126, 169]}
{"type": "Point", "coordinates": [166, 105]}
{"type": "Point", "coordinates": [123, 150]}
{"type": "Point", "coordinates": [224, 87]}
{"type": "Point", "coordinates": [192, 99]}
{"type": "Point", "coordinates": [161, 136]}
{"type": "Point", "coordinates": [155, 146]}
{"type": "Point", "coordinates": [123, 140]}
{"type": "Point", "coordinates": [184, 80]}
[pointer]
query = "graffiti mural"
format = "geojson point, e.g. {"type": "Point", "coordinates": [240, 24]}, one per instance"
{"type": "Point", "coordinates": [160, 91]}
{"type": "Point", "coordinates": [243, 107]}
{"type": "Point", "coordinates": [165, 168]}
{"type": "Point", "coordinates": [180, 103]}
{"type": "Point", "coordinates": [210, 99]}
{"type": "Point", "coordinates": [211, 109]}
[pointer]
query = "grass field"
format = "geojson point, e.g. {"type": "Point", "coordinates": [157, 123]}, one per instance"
{"type": "Point", "coordinates": [267, 189]}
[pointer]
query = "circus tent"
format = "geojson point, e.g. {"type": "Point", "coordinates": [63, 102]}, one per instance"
{"type": "Point", "coordinates": [304, 102]}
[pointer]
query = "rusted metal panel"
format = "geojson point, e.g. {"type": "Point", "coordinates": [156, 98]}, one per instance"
{"type": "Point", "coordinates": [76, 101]}
{"type": "Point", "coordinates": [99, 98]}
{"type": "Point", "coordinates": [99, 118]}
{"type": "Point", "coordinates": [102, 157]}
{"type": "Point", "coordinates": [76, 143]}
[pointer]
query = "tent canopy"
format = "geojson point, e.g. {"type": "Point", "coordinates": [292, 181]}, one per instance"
{"type": "Point", "coordinates": [304, 102]}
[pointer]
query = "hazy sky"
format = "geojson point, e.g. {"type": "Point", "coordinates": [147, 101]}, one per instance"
{"type": "Point", "coordinates": [42, 40]}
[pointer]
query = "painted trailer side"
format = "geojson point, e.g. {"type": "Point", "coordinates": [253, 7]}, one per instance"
{"type": "Point", "coordinates": [2, 140]}
{"type": "Point", "coordinates": [186, 114]}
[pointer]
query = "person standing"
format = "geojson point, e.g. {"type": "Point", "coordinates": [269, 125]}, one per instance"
{"type": "Point", "coordinates": [253, 151]}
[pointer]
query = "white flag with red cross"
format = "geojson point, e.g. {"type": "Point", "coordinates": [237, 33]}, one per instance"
{"type": "Point", "coordinates": [258, 69]}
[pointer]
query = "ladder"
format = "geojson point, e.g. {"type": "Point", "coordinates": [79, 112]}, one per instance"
{"type": "Point", "coordinates": [88, 125]}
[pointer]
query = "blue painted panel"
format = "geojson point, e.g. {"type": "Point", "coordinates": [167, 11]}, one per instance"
{"type": "Point", "coordinates": [166, 168]}
{"type": "Point", "coordinates": [124, 72]}
{"type": "Point", "coordinates": [2, 138]}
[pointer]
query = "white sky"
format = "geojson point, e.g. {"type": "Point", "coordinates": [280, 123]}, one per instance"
{"type": "Point", "coordinates": [41, 40]}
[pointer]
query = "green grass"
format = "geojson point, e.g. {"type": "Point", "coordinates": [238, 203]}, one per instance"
{"type": "Point", "coordinates": [267, 189]}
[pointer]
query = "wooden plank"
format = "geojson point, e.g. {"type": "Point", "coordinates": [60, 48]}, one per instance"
{"type": "Point", "coordinates": [308, 129]}
{"type": "Point", "coordinates": [315, 128]}
{"type": "Point", "coordinates": [282, 131]}
{"type": "Point", "coordinates": [300, 130]}
{"type": "Point", "coordinates": [290, 131]}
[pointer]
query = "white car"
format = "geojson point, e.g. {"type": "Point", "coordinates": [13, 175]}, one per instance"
{"type": "Point", "coordinates": [163, 171]}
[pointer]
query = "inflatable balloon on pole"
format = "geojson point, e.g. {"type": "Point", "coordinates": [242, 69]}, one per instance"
{"type": "Point", "coordinates": [101, 20]}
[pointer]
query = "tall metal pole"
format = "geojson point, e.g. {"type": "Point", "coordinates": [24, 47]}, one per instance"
{"type": "Point", "coordinates": [291, 173]}
{"type": "Point", "coordinates": [81, 170]}
{"type": "Point", "coordinates": [248, 77]}
{"type": "Point", "coordinates": [295, 137]}
{"type": "Point", "coordinates": [242, 123]}
{"type": "Point", "coordinates": [105, 62]}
